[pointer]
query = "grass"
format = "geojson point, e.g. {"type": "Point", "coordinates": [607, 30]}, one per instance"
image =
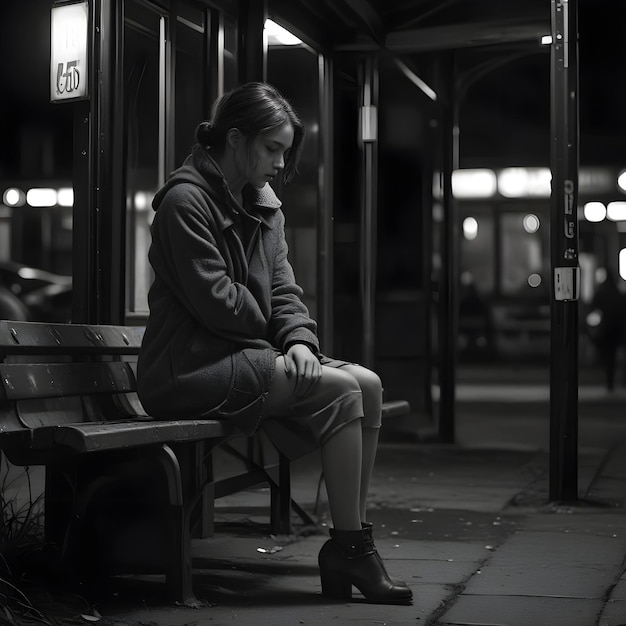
{"type": "Point", "coordinates": [21, 537]}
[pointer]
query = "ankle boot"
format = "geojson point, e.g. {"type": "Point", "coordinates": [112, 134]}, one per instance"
{"type": "Point", "coordinates": [367, 533]}
{"type": "Point", "coordinates": [349, 558]}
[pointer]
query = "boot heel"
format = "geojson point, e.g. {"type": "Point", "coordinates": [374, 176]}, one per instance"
{"type": "Point", "coordinates": [334, 585]}
{"type": "Point", "coordinates": [349, 558]}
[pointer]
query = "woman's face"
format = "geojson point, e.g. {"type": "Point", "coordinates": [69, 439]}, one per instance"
{"type": "Point", "coordinates": [267, 155]}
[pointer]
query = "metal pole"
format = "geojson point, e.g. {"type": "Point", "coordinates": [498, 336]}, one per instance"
{"type": "Point", "coordinates": [326, 208]}
{"type": "Point", "coordinates": [98, 234]}
{"type": "Point", "coordinates": [564, 253]}
{"type": "Point", "coordinates": [369, 205]}
{"type": "Point", "coordinates": [448, 290]}
{"type": "Point", "coordinates": [83, 287]}
{"type": "Point", "coordinates": [252, 46]}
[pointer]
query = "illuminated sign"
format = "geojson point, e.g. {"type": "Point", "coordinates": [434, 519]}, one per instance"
{"type": "Point", "coordinates": [68, 52]}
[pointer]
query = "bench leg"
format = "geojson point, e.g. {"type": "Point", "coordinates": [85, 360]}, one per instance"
{"type": "Point", "coordinates": [203, 520]}
{"type": "Point", "coordinates": [280, 507]}
{"type": "Point", "coordinates": [207, 528]}
{"type": "Point", "coordinates": [278, 477]}
{"type": "Point", "coordinates": [179, 569]}
{"type": "Point", "coordinates": [287, 503]}
{"type": "Point", "coordinates": [58, 505]}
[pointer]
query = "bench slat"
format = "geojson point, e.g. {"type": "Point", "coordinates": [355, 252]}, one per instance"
{"type": "Point", "coordinates": [60, 380]}
{"type": "Point", "coordinates": [42, 338]}
{"type": "Point", "coordinates": [396, 408]}
{"type": "Point", "coordinates": [100, 436]}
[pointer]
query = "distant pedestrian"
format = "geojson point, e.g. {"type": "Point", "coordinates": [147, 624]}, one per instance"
{"type": "Point", "coordinates": [609, 305]}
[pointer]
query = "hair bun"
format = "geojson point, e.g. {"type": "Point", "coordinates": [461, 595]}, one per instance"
{"type": "Point", "coordinates": [205, 133]}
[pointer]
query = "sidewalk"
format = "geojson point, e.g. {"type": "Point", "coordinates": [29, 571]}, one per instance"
{"type": "Point", "coordinates": [467, 525]}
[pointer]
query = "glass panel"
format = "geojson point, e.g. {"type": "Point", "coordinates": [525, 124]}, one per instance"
{"type": "Point", "coordinates": [150, 153]}
{"type": "Point", "coordinates": [36, 151]}
{"type": "Point", "coordinates": [230, 55]}
{"type": "Point", "coordinates": [142, 81]}
{"type": "Point", "coordinates": [478, 249]}
{"type": "Point", "coordinates": [294, 71]}
{"type": "Point", "coordinates": [476, 283]}
{"type": "Point", "coordinates": [523, 270]}
{"type": "Point", "coordinates": [190, 77]}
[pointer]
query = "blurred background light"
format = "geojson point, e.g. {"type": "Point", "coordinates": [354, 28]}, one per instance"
{"type": "Point", "coordinates": [470, 228]}
{"type": "Point", "coordinates": [531, 223]}
{"type": "Point", "coordinates": [474, 183]}
{"type": "Point", "coordinates": [41, 197]}
{"type": "Point", "coordinates": [525, 182]}
{"type": "Point", "coordinates": [277, 35]}
{"type": "Point", "coordinates": [14, 197]}
{"type": "Point", "coordinates": [141, 201]}
{"type": "Point", "coordinates": [616, 211]}
{"type": "Point", "coordinates": [594, 211]}
{"type": "Point", "coordinates": [594, 318]}
{"type": "Point", "coordinates": [65, 196]}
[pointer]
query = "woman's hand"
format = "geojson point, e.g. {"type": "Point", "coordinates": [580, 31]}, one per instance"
{"type": "Point", "coordinates": [302, 363]}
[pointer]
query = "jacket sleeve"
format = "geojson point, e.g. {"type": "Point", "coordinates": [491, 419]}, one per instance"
{"type": "Point", "coordinates": [189, 260]}
{"type": "Point", "coordinates": [290, 322]}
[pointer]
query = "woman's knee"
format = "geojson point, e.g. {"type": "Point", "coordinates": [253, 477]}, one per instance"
{"type": "Point", "coordinates": [372, 391]}
{"type": "Point", "coordinates": [370, 382]}
{"type": "Point", "coordinates": [331, 386]}
{"type": "Point", "coordinates": [340, 380]}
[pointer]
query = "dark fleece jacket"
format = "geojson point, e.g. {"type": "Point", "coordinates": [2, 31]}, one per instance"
{"type": "Point", "coordinates": [224, 301]}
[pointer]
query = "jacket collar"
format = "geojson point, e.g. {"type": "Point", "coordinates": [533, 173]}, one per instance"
{"type": "Point", "coordinates": [262, 202]}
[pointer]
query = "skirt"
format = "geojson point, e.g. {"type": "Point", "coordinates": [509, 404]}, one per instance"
{"type": "Point", "coordinates": [308, 422]}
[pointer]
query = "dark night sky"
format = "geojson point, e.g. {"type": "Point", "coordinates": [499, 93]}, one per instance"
{"type": "Point", "coordinates": [508, 112]}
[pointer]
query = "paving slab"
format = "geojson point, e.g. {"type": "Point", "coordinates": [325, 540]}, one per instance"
{"type": "Point", "coordinates": [566, 549]}
{"type": "Point", "coordinates": [521, 611]}
{"type": "Point", "coordinates": [601, 521]}
{"type": "Point", "coordinates": [541, 580]}
{"type": "Point", "coordinates": [619, 591]}
{"type": "Point", "coordinates": [614, 614]}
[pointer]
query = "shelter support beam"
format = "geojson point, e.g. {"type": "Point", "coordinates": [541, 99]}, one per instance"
{"type": "Point", "coordinates": [252, 46]}
{"type": "Point", "coordinates": [99, 208]}
{"type": "Point", "coordinates": [449, 245]}
{"type": "Point", "coordinates": [368, 139]}
{"type": "Point", "coordinates": [564, 253]}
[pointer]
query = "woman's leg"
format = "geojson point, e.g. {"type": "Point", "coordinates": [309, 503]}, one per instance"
{"type": "Point", "coordinates": [341, 464]}
{"type": "Point", "coordinates": [341, 453]}
{"type": "Point", "coordinates": [370, 445]}
{"type": "Point", "coordinates": [349, 557]}
{"type": "Point", "coordinates": [371, 387]}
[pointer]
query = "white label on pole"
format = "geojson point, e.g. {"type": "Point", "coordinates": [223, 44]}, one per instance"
{"type": "Point", "coordinates": [566, 283]}
{"type": "Point", "coordinates": [68, 51]}
{"type": "Point", "coordinates": [369, 123]}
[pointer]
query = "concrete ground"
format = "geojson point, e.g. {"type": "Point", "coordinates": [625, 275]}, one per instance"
{"type": "Point", "coordinates": [467, 525]}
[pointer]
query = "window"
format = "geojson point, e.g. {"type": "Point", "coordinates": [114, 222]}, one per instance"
{"type": "Point", "coordinates": [477, 248]}
{"type": "Point", "coordinates": [523, 268]}
{"type": "Point", "coordinates": [144, 88]}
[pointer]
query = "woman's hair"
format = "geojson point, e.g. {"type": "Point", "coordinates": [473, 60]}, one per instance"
{"type": "Point", "coordinates": [255, 109]}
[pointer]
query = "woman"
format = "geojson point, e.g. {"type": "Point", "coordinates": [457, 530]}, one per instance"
{"type": "Point", "coordinates": [229, 337]}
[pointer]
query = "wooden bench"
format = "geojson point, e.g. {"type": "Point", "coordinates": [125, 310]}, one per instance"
{"type": "Point", "coordinates": [68, 402]}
